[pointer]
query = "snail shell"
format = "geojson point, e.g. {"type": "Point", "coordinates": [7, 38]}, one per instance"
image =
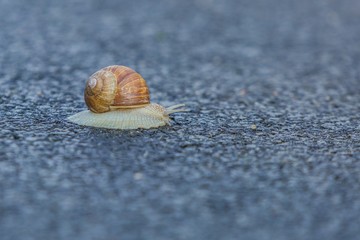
{"type": "Point", "coordinates": [118, 98]}
{"type": "Point", "coordinates": [115, 87]}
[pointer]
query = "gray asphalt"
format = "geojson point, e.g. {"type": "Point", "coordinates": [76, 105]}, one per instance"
{"type": "Point", "coordinates": [269, 150]}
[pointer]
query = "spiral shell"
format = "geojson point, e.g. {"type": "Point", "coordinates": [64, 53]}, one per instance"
{"type": "Point", "coordinates": [115, 87]}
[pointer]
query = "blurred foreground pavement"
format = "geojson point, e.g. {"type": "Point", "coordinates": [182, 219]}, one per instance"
{"type": "Point", "coordinates": [269, 150]}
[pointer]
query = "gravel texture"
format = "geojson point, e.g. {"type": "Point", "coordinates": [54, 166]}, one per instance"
{"type": "Point", "coordinates": [269, 150]}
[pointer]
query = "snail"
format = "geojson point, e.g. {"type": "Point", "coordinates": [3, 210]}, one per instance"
{"type": "Point", "coordinates": [118, 98]}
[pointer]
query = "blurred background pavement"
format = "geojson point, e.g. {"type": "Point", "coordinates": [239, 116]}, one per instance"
{"type": "Point", "coordinates": [269, 150]}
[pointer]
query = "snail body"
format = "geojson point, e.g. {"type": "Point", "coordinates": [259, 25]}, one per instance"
{"type": "Point", "coordinates": [118, 98]}
{"type": "Point", "coordinates": [150, 116]}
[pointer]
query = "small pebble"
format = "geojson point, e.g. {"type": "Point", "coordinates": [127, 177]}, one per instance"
{"type": "Point", "coordinates": [138, 176]}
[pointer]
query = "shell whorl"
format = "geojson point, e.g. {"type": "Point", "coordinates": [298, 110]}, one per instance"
{"type": "Point", "coordinates": [115, 87]}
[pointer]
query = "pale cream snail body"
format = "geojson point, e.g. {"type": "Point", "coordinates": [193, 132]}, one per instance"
{"type": "Point", "coordinates": [118, 98]}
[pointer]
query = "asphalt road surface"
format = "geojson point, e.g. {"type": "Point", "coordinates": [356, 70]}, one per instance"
{"type": "Point", "coordinates": [269, 150]}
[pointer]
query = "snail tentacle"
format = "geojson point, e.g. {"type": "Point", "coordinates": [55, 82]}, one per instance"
{"type": "Point", "coordinates": [176, 108]}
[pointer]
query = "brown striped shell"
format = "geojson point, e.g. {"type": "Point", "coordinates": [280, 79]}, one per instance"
{"type": "Point", "coordinates": [115, 87]}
